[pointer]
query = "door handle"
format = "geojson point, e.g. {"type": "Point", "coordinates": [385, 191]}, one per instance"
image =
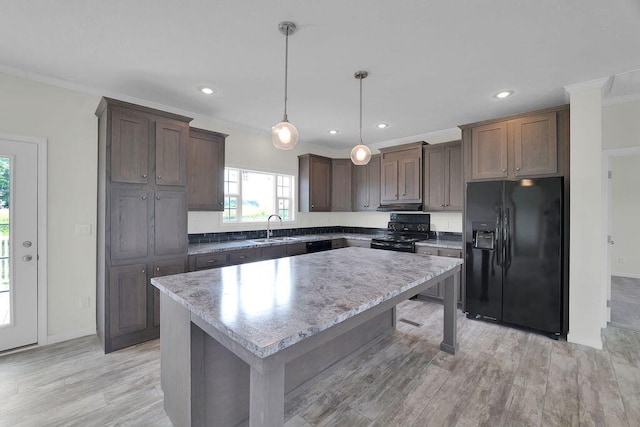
{"type": "Point", "coordinates": [27, 258]}
{"type": "Point", "coordinates": [26, 244]}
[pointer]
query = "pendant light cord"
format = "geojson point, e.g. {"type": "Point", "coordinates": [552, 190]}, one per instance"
{"type": "Point", "coordinates": [286, 68]}
{"type": "Point", "coordinates": [360, 110]}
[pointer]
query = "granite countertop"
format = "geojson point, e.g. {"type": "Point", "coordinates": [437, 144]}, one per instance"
{"type": "Point", "coordinates": [207, 248]}
{"type": "Point", "coordinates": [267, 306]}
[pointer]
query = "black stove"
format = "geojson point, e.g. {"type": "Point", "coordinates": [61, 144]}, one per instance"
{"type": "Point", "coordinates": [403, 231]}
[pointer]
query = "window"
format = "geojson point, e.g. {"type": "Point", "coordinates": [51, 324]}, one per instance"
{"type": "Point", "coordinates": [251, 196]}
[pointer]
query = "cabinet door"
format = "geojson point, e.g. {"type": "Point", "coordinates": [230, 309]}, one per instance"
{"type": "Point", "coordinates": [341, 185]}
{"type": "Point", "coordinates": [164, 268]}
{"type": "Point", "coordinates": [358, 243]}
{"type": "Point", "coordinates": [389, 181]}
{"type": "Point", "coordinates": [242, 256]}
{"type": "Point", "coordinates": [129, 147]}
{"type": "Point", "coordinates": [296, 249]}
{"type": "Point", "coordinates": [434, 179]}
{"type": "Point", "coordinates": [436, 290]}
{"type": "Point", "coordinates": [205, 171]}
{"type": "Point", "coordinates": [171, 153]}
{"type": "Point", "coordinates": [207, 261]}
{"type": "Point", "coordinates": [374, 183]}
{"type": "Point", "coordinates": [453, 184]}
{"type": "Point", "coordinates": [489, 151]}
{"type": "Point", "coordinates": [127, 299]}
{"type": "Point", "coordinates": [535, 145]}
{"type": "Point", "coordinates": [453, 253]}
{"type": "Point", "coordinates": [170, 227]}
{"type": "Point", "coordinates": [409, 178]}
{"type": "Point", "coordinates": [320, 184]}
{"type": "Point", "coordinates": [271, 252]}
{"type": "Point", "coordinates": [129, 224]}
{"type": "Point", "coordinates": [366, 185]}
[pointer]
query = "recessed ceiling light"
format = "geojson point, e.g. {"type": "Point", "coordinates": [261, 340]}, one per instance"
{"type": "Point", "coordinates": [207, 90]}
{"type": "Point", "coordinates": [333, 131]}
{"type": "Point", "coordinates": [383, 125]}
{"type": "Point", "coordinates": [503, 94]}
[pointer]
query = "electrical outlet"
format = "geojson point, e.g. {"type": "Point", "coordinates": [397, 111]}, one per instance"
{"type": "Point", "coordinates": [620, 260]}
{"type": "Point", "coordinates": [84, 302]}
{"type": "Point", "coordinates": [83, 229]}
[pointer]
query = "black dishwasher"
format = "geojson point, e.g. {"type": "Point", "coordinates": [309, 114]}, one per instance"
{"type": "Point", "coordinates": [318, 246]}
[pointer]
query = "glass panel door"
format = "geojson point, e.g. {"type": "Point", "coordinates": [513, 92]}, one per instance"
{"type": "Point", "coordinates": [5, 260]}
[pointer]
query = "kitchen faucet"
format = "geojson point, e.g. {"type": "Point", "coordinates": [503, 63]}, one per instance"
{"type": "Point", "coordinates": [269, 232]}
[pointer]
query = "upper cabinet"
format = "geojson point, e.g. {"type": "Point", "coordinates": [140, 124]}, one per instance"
{"type": "Point", "coordinates": [129, 147]}
{"type": "Point", "coordinates": [366, 185]}
{"type": "Point", "coordinates": [341, 185]}
{"type": "Point", "coordinates": [525, 145]}
{"type": "Point", "coordinates": [205, 170]}
{"type": "Point", "coordinates": [443, 186]}
{"type": "Point", "coordinates": [401, 174]}
{"type": "Point", "coordinates": [314, 183]}
{"type": "Point", "coordinates": [171, 152]}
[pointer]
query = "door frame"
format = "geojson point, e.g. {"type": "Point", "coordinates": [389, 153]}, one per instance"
{"type": "Point", "coordinates": [607, 217]}
{"type": "Point", "coordinates": [41, 145]}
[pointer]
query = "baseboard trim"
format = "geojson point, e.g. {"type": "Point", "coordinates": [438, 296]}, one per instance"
{"type": "Point", "coordinates": [628, 275]}
{"type": "Point", "coordinates": [588, 341]}
{"type": "Point", "coordinates": [53, 339]}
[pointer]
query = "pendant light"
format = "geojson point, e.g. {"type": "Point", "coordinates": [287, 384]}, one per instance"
{"type": "Point", "coordinates": [360, 154]}
{"type": "Point", "coordinates": [285, 135]}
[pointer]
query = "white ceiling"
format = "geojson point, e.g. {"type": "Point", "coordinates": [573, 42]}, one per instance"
{"type": "Point", "coordinates": [432, 65]}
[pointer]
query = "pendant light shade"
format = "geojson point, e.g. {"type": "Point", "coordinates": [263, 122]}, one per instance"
{"type": "Point", "coordinates": [360, 154]}
{"type": "Point", "coordinates": [284, 135]}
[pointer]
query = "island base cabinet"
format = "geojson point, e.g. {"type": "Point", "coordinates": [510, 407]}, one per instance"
{"type": "Point", "coordinates": [207, 384]}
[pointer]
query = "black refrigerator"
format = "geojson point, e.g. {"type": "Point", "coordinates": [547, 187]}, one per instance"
{"type": "Point", "coordinates": [514, 252]}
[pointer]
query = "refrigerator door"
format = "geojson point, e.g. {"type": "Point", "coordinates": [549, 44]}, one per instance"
{"type": "Point", "coordinates": [532, 274]}
{"type": "Point", "coordinates": [484, 251]}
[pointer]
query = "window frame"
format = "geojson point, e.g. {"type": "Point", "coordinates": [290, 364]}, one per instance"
{"type": "Point", "coordinates": [276, 197]}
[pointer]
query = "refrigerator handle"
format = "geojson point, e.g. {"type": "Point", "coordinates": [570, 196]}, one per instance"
{"type": "Point", "coordinates": [507, 239]}
{"type": "Point", "coordinates": [499, 237]}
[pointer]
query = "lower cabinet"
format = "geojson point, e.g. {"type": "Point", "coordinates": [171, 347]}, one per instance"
{"type": "Point", "coordinates": [359, 243]}
{"type": "Point", "coordinates": [338, 243]}
{"type": "Point", "coordinates": [164, 268]}
{"type": "Point", "coordinates": [242, 256]}
{"type": "Point", "coordinates": [127, 299]}
{"type": "Point", "coordinates": [437, 291]}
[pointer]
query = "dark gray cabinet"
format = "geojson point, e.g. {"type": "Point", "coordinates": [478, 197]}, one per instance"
{"type": "Point", "coordinates": [129, 148]}
{"type": "Point", "coordinates": [163, 268]}
{"type": "Point", "coordinates": [171, 153]}
{"type": "Point", "coordinates": [366, 185]}
{"type": "Point", "coordinates": [341, 185]}
{"type": "Point", "coordinates": [443, 187]}
{"type": "Point", "coordinates": [205, 170]}
{"type": "Point", "coordinates": [437, 291]}
{"type": "Point", "coordinates": [401, 174]}
{"type": "Point", "coordinates": [127, 299]}
{"type": "Point", "coordinates": [142, 221]}
{"type": "Point", "coordinates": [129, 223]}
{"type": "Point", "coordinates": [314, 183]}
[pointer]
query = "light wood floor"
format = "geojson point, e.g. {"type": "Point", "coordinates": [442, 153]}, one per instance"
{"type": "Point", "coordinates": [502, 376]}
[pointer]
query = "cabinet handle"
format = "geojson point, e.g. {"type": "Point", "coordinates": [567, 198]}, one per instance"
{"type": "Point", "coordinates": [144, 197]}
{"type": "Point", "coordinates": [157, 268]}
{"type": "Point", "coordinates": [312, 206]}
{"type": "Point", "coordinates": [144, 175]}
{"type": "Point", "coordinates": [504, 170]}
{"type": "Point", "coordinates": [221, 203]}
{"type": "Point", "coordinates": [442, 205]}
{"type": "Point", "coordinates": [143, 272]}
{"type": "Point", "coordinates": [211, 261]}
{"type": "Point", "coordinates": [157, 197]}
{"type": "Point", "coordinates": [159, 176]}
{"type": "Point", "coordinates": [446, 205]}
{"type": "Point", "coordinates": [517, 169]}
{"type": "Point", "coordinates": [242, 256]}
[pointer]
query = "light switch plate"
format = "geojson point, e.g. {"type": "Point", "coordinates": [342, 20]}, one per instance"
{"type": "Point", "coordinates": [83, 229]}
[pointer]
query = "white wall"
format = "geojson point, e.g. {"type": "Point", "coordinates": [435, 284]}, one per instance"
{"type": "Point", "coordinates": [586, 263]}
{"type": "Point", "coordinates": [66, 119]}
{"type": "Point", "coordinates": [625, 200]}
{"type": "Point", "coordinates": [621, 125]}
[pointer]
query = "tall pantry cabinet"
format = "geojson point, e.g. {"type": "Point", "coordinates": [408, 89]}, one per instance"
{"type": "Point", "coordinates": [142, 217]}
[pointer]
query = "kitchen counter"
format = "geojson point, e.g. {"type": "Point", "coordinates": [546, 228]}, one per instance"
{"type": "Point", "coordinates": [207, 248]}
{"type": "Point", "coordinates": [263, 329]}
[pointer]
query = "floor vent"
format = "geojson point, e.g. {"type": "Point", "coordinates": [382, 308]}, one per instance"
{"type": "Point", "coordinates": [409, 322]}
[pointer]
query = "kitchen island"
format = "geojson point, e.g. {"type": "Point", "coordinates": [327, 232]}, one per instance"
{"type": "Point", "coordinates": [236, 340]}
